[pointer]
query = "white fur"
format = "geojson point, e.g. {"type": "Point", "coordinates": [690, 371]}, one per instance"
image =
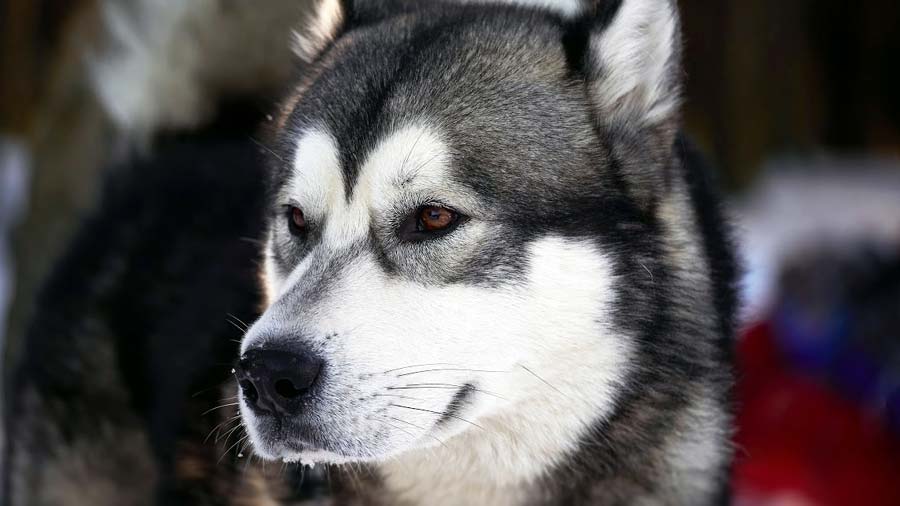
{"type": "Point", "coordinates": [269, 272]}
{"type": "Point", "coordinates": [565, 8]}
{"type": "Point", "coordinates": [316, 184]}
{"type": "Point", "coordinates": [408, 164]}
{"type": "Point", "coordinates": [539, 349]}
{"type": "Point", "coordinates": [320, 31]}
{"type": "Point", "coordinates": [633, 58]}
{"type": "Point", "coordinates": [558, 332]}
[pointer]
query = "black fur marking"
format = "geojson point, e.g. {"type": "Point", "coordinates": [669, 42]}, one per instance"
{"type": "Point", "coordinates": [456, 405]}
{"type": "Point", "coordinates": [576, 39]}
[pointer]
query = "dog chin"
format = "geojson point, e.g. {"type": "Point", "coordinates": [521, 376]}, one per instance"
{"type": "Point", "coordinates": [313, 457]}
{"type": "Point", "coordinates": [275, 445]}
{"type": "Point", "coordinates": [290, 452]}
{"type": "Point", "coordinates": [309, 455]}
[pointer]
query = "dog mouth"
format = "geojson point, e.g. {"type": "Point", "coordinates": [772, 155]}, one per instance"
{"type": "Point", "coordinates": [277, 438]}
{"type": "Point", "coordinates": [312, 438]}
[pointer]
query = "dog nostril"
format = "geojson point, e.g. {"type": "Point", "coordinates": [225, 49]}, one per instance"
{"type": "Point", "coordinates": [249, 390]}
{"type": "Point", "coordinates": [285, 388]}
{"type": "Point", "coordinates": [273, 381]}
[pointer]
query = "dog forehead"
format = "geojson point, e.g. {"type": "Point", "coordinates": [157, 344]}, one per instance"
{"type": "Point", "coordinates": [405, 164]}
{"type": "Point", "coordinates": [446, 118]}
{"type": "Point", "coordinates": [471, 73]}
{"type": "Point", "coordinates": [410, 158]}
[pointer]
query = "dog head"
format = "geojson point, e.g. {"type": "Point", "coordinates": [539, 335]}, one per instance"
{"type": "Point", "coordinates": [452, 186]}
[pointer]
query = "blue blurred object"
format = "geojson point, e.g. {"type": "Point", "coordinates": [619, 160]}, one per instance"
{"type": "Point", "coordinates": [838, 319]}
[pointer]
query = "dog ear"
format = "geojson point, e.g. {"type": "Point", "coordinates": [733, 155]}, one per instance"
{"type": "Point", "coordinates": [332, 17]}
{"type": "Point", "coordinates": [566, 9]}
{"type": "Point", "coordinates": [632, 63]}
{"type": "Point", "coordinates": [324, 25]}
{"type": "Point", "coordinates": [629, 54]}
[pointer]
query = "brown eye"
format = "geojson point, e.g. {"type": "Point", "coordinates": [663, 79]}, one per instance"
{"type": "Point", "coordinates": [297, 222]}
{"type": "Point", "coordinates": [434, 218]}
{"type": "Point", "coordinates": [429, 222]}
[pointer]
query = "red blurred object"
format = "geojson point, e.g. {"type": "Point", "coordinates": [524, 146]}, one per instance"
{"type": "Point", "coordinates": [801, 443]}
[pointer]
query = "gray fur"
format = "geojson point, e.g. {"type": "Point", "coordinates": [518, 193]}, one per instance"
{"type": "Point", "coordinates": [560, 129]}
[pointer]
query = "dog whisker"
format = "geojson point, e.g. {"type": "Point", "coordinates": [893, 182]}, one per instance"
{"type": "Point", "coordinates": [250, 456]}
{"type": "Point", "coordinates": [417, 365]}
{"type": "Point", "coordinates": [237, 322]}
{"type": "Point", "coordinates": [231, 429]}
{"type": "Point", "coordinates": [425, 432]}
{"type": "Point", "coordinates": [239, 441]}
{"type": "Point", "coordinates": [201, 392]}
{"type": "Point", "coordinates": [439, 413]}
{"type": "Point", "coordinates": [227, 435]}
{"type": "Point", "coordinates": [242, 322]}
{"type": "Point", "coordinates": [244, 447]}
{"type": "Point", "coordinates": [543, 380]}
{"type": "Point", "coordinates": [253, 241]}
{"type": "Point", "coordinates": [425, 385]}
{"type": "Point", "coordinates": [449, 369]}
{"type": "Point", "coordinates": [267, 149]}
{"type": "Point", "coordinates": [412, 436]}
{"type": "Point", "coordinates": [409, 153]}
{"type": "Point", "coordinates": [214, 429]}
{"type": "Point", "coordinates": [408, 423]}
{"type": "Point", "coordinates": [210, 410]}
{"type": "Point", "coordinates": [438, 386]}
{"type": "Point", "coordinates": [399, 397]}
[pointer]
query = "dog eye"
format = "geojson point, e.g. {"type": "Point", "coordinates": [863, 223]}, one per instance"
{"type": "Point", "coordinates": [435, 219]}
{"type": "Point", "coordinates": [429, 222]}
{"type": "Point", "coordinates": [296, 220]}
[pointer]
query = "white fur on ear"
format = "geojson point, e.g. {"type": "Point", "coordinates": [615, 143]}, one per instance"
{"type": "Point", "coordinates": [635, 63]}
{"type": "Point", "coordinates": [568, 9]}
{"type": "Point", "coordinates": [320, 30]}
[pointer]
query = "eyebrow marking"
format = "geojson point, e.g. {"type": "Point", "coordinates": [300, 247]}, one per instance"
{"type": "Point", "coordinates": [316, 180]}
{"type": "Point", "coordinates": [406, 179]}
{"type": "Point", "coordinates": [407, 164]}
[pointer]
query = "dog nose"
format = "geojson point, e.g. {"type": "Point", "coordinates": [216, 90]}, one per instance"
{"type": "Point", "coordinates": [275, 381]}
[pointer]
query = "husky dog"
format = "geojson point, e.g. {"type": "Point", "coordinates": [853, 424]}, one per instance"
{"type": "Point", "coordinates": [493, 269]}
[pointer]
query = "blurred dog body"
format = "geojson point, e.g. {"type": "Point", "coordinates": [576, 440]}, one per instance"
{"type": "Point", "coordinates": [494, 271]}
{"type": "Point", "coordinates": [170, 66]}
{"type": "Point", "coordinates": [133, 333]}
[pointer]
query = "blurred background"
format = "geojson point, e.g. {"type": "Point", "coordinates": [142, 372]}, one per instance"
{"type": "Point", "coordinates": [797, 103]}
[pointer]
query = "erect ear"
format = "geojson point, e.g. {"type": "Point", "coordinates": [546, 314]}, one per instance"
{"type": "Point", "coordinates": [633, 65]}
{"type": "Point", "coordinates": [630, 58]}
{"type": "Point", "coordinates": [325, 24]}
{"type": "Point", "coordinates": [331, 17]}
{"type": "Point", "coordinates": [628, 52]}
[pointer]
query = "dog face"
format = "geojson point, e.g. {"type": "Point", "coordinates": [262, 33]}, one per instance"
{"type": "Point", "coordinates": [445, 226]}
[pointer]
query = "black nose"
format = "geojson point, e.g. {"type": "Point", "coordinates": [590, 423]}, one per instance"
{"type": "Point", "coordinates": [276, 381]}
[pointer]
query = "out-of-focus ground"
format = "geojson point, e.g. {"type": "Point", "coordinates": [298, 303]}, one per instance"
{"type": "Point", "coordinates": [798, 105]}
